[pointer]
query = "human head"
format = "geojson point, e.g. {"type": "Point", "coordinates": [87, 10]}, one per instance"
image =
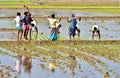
{"type": "Point", "coordinates": [25, 13]}
{"type": "Point", "coordinates": [18, 14]}
{"type": "Point", "coordinates": [32, 25]}
{"type": "Point", "coordinates": [28, 14]}
{"type": "Point", "coordinates": [52, 61]}
{"type": "Point", "coordinates": [53, 15]}
{"type": "Point", "coordinates": [73, 15]}
{"type": "Point", "coordinates": [59, 25]}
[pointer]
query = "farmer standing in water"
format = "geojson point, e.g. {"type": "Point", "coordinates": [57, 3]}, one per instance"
{"type": "Point", "coordinates": [53, 25]}
{"type": "Point", "coordinates": [72, 26]}
{"type": "Point", "coordinates": [25, 27]}
{"type": "Point", "coordinates": [18, 23]}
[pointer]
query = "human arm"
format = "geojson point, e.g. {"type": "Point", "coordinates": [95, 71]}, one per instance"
{"type": "Point", "coordinates": [79, 18]}
{"type": "Point", "coordinates": [59, 19]}
{"type": "Point", "coordinates": [14, 20]}
{"type": "Point", "coordinates": [27, 9]}
{"type": "Point", "coordinates": [68, 20]}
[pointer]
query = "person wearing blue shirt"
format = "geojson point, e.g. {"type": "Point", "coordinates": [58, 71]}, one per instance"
{"type": "Point", "coordinates": [72, 27]}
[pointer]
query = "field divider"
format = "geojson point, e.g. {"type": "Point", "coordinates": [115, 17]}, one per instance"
{"type": "Point", "coordinates": [8, 51]}
{"type": "Point", "coordinates": [65, 17]}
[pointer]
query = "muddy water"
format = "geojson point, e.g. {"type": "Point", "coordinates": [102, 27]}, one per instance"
{"type": "Point", "coordinates": [36, 71]}
{"type": "Point", "coordinates": [46, 12]}
{"type": "Point", "coordinates": [109, 28]}
{"type": "Point", "coordinates": [82, 69]}
{"type": "Point", "coordinates": [108, 66]}
{"type": "Point", "coordinates": [4, 36]}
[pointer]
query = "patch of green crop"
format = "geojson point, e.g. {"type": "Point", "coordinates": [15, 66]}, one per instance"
{"type": "Point", "coordinates": [14, 2]}
{"type": "Point", "coordinates": [79, 3]}
{"type": "Point", "coordinates": [100, 7]}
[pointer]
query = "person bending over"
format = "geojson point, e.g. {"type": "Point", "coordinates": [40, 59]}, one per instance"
{"type": "Point", "coordinates": [95, 28]}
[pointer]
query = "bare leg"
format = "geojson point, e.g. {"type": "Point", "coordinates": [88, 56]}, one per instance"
{"type": "Point", "coordinates": [69, 35]}
{"type": "Point", "coordinates": [21, 34]}
{"type": "Point", "coordinates": [73, 37]}
{"type": "Point", "coordinates": [93, 35]}
{"type": "Point", "coordinates": [99, 34]}
{"type": "Point", "coordinates": [30, 33]}
{"type": "Point", "coordinates": [78, 34]}
{"type": "Point", "coordinates": [25, 34]}
{"type": "Point", "coordinates": [36, 32]}
{"type": "Point", "coordinates": [18, 35]}
{"type": "Point", "coordinates": [78, 30]}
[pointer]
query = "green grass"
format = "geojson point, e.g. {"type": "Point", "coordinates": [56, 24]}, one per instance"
{"type": "Point", "coordinates": [104, 10]}
{"type": "Point", "coordinates": [104, 7]}
{"type": "Point", "coordinates": [61, 3]}
{"type": "Point", "coordinates": [15, 2]}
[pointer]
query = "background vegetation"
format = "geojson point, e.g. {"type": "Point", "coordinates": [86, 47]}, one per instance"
{"type": "Point", "coordinates": [85, 6]}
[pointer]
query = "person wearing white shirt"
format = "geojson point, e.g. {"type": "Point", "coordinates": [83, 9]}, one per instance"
{"type": "Point", "coordinates": [18, 23]}
{"type": "Point", "coordinates": [95, 28]}
{"type": "Point", "coordinates": [34, 28]}
{"type": "Point", "coordinates": [77, 31]}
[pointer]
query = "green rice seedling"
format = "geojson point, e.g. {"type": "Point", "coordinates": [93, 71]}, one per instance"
{"type": "Point", "coordinates": [61, 37]}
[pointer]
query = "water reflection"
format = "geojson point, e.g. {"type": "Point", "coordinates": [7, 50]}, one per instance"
{"type": "Point", "coordinates": [32, 68]}
{"type": "Point", "coordinates": [52, 65]}
{"type": "Point", "coordinates": [74, 66]}
{"type": "Point", "coordinates": [27, 63]}
{"type": "Point", "coordinates": [42, 66]}
{"type": "Point", "coordinates": [23, 63]}
{"type": "Point", "coordinates": [107, 75]}
{"type": "Point", "coordinates": [18, 65]}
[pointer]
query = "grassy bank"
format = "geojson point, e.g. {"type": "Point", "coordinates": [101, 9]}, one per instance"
{"type": "Point", "coordinates": [55, 3]}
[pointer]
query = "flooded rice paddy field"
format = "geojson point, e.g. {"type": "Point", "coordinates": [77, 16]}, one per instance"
{"type": "Point", "coordinates": [46, 12]}
{"type": "Point", "coordinates": [79, 59]}
{"type": "Point", "coordinates": [41, 57]}
{"type": "Point", "coordinates": [109, 28]}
